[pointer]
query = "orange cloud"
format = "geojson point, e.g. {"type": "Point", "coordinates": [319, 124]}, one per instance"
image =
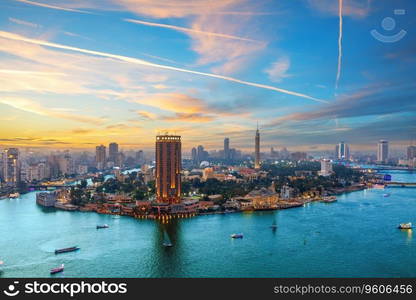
{"type": "Point", "coordinates": [194, 117]}
{"type": "Point", "coordinates": [174, 102]}
{"type": "Point", "coordinates": [34, 107]}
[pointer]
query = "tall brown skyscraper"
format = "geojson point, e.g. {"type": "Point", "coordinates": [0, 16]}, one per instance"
{"type": "Point", "coordinates": [257, 149]}
{"type": "Point", "coordinates": [168, 168]}
{"type": "Point", "coordinates": [100, 157]}
{"type": "Point", "coordinates": [11, 165]}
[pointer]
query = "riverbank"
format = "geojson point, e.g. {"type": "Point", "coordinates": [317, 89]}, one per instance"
{"type": "Point", "coordinates": [347, 189]}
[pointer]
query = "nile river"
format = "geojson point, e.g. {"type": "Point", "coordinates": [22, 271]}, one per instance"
{"type": "Point", "coordinates": [354, 237]}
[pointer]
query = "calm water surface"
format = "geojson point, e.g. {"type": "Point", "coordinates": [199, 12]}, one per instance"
{"type": "Point", "coordinates": [354, 237]}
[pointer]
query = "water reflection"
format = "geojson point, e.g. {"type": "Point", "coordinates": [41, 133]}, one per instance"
{"type": "Point", "coordinates": [166, 261]}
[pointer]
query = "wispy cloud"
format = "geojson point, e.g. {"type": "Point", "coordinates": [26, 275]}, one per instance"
{"type": "Point", "coordinates": [146, 115]}
{"type": "Point", "coordinates": [184, 117]}
{"type": "Point", "coordinates": [17, 37]}
{"type": "Point", "coordinates": [193, 31]}
{"type": "Point", "coordinates": [351, 8]}
{"type": "Point", "coordinates": [278, 70]}
{"type": "Point", "coordinates": [52, 6]}
{"type": "Point", "coordinates": [31, 106]}
{"type": "Point", "coordinates": [159, 58]}
{"type": "Point", "coordinates": [25, 23]}
{"type": "Point", "coordinates": [37, 73]}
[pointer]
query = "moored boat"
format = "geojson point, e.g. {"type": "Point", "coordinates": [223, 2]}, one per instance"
{"type": "Point", "coordinates": [329, 199]}
{"type": "Point", "coordinates": [405, 226]}
{"type": "Point", "coordinates": [64, 250]}
{"type": "Point", "coordinates": [378, 186]}
{"type": "Point", "coordinates": [386, 195]}
{"type": "Point", "coordinates": [14, 195]}
{"type": "Point", "coordinates": [237, 236]}
{"type": "Point", "coordinates": [102, 226]}
{"type": "Point", "coordinates": [57, 270]}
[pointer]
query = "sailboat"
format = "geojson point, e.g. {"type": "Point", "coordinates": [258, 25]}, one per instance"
{"type": "Point", "coordinates": [166, 241]}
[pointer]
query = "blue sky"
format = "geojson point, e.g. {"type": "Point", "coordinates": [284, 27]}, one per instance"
{"type": "Point", "coordinates": [79, 73]}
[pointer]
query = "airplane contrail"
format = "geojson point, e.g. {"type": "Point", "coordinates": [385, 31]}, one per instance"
{"type": "Point", "coordinates": [339, 44]}
{"type": "Point", "coordinates": [53, 6]}
{"type": "Point", "coordinates": [190, 30]}
{"type": "Point", "coordinates": [16, 37]}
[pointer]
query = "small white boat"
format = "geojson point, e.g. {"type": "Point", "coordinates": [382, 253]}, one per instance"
{"type": "Point", "coordinates": [386, 195]}
{"type": "Point", "coordinates": [14, 195]}
{"type": "Point", "coordinates": [1, 262]}
{"type": "Point", "coordinates": [405, 226]}
{"type": "Point", "coordinates": [237, 236]}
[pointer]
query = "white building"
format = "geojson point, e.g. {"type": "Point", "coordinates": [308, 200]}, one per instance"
{"type": "Point", "coordinates": [382, 151]}
{"type": "Point", "coordinates": [326, 168]}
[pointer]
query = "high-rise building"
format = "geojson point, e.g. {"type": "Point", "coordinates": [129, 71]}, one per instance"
{"type": "Point", "coordinates": [342, 151]}
{"type": "Point", "coordinates": [11, 166]}
{"type": "Point", "coordinates": [226, 148]}
{"type": "Point", "coordinates": [112, 152]}
{"type": "Point", "coordinates": [100, 157]}
{"type": "Point", "coordinates": [65, 164]}
{"type": "Point", "coordinates": [140, 157]}
{"type": "Point", "coordinates": [168, 168]}
{"type": "Point", "coordinates": [382, 151]}
{"type": "Point", "coordinates": [201, 154]}
{"type": "Point", "coordinates": [194, 156]}
{"type": "Point", "coordinates": [326, 168]}
{"type": "Point", "coordinates": [411, 152]}
{"type": "Point", "coordinates": [257, 149]}
{"type": "Point", "coordinates": [120, 160]}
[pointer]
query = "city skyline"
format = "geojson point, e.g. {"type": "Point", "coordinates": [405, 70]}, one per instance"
{"type": "Point", "coordinates": [204, 75]}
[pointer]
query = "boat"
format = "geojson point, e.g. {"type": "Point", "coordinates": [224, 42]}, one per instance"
{"type": "Point", "coordinates": [57, 270]}
{"type": "Point", "coordinates": [405, 226]}
{"type": "Point", "coordinates": [167, 242]}
{"type": "Point", "coordinates": [378, 186]}
{"type": "Point", "coordinates": [64, 250]}
{"type": "Point", "coordinates": [329, 199]}
{"type": "Point", "coordinates": [386, 195]}
{"type": "Point", "coordinates": [14, 195]}
{"type": "Point", "coordinates": [274, 225]}
{"type": "Point", "coordinates": [102, 226]}
{"type": "Point", "coordinates": [237, 236]}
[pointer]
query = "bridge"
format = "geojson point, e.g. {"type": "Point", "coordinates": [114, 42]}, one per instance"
{"type": "Point", "coordinates": [386, 168]}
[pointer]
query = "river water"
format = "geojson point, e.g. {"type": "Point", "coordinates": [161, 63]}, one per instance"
{"type": "Point", "coordinates": [354, 237]}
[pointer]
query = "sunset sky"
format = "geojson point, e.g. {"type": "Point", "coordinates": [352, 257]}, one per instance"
{"type": "Point", "coordinates": [78, 73]}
